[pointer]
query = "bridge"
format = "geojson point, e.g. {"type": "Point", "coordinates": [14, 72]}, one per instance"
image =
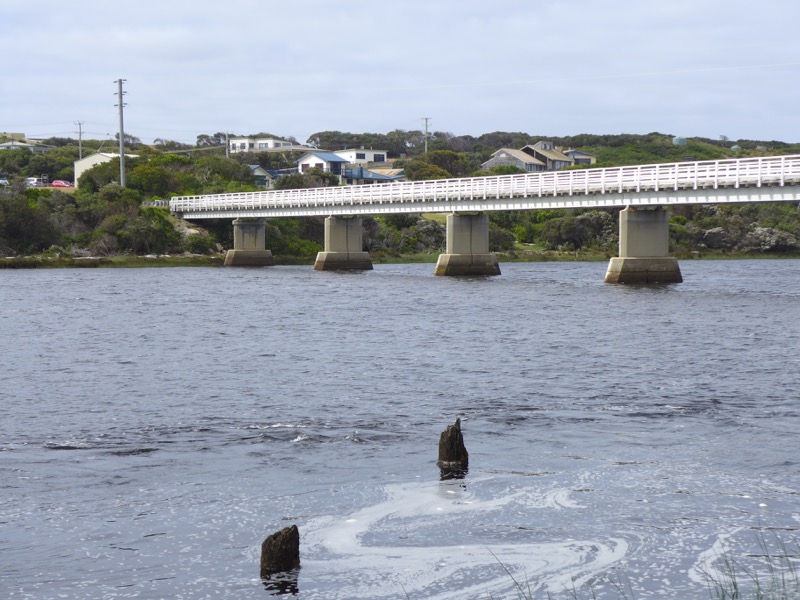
{"type": "Point", "coordinates": [643, 191]}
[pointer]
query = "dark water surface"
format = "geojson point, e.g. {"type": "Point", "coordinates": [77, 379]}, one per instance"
{"type": "Point", "coordinates": [157, 424]}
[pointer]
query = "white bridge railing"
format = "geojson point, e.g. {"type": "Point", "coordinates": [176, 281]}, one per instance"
{"type": "Point", "coordinates": [451, 194]}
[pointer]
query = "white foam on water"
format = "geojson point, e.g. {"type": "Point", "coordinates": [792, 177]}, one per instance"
{"type": "Point", "coordinates": [705, 565]}
{"type": "Point", "coordinates": [343, 564]}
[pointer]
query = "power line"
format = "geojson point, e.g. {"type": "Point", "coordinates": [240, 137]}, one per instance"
{"type": "Point", "coordinates": [426, 119]}
{"type": "Point", "coordinates": [121, 104]}
{"type": "Point", "coordinates": [80, 139]}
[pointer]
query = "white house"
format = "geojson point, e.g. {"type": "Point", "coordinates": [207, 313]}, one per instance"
{"type": "Point", "coordinates": [362, 156]}
{"type": "Point", "coordinates": [253, 144]}
{"type": "Point", "coordinates": [327, 161]}
{"type": "Point", "coordinates": [87, 162]}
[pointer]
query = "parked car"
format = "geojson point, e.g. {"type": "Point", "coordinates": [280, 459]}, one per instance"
{"type": "Point", "coordinates": [4, 181]}
{"type": "Point", "coordinates": [60, 183]}
{"type": "Point", "coordinates": [34, 182]}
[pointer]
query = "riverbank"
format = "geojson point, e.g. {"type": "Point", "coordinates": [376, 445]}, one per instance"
{"type": "Point", "coordinates": [49, 261]}
{"type": "Point", "coordinates": [122, 261]}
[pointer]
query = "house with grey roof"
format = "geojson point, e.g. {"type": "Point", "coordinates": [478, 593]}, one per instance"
{"type": "Point", "coordinates": [509, 157]}
{"type": "Point", "coordinates": [359, 175]}
{"type": "Point", "coordinates": [546, 152]}
{"type": "Point", "coordinates": [581, 158]}
{"type": "Point", "coordinates": [20, 145]}
{"type": "Point", "coordinates": [541, 156]}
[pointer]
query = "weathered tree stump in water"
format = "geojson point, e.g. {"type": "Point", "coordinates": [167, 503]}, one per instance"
{"type": "Point", "coordinates": [280, 552]}
{"type": "Point", "coordinates": [453, 456]}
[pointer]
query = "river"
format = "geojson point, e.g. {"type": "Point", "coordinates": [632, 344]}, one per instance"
{"type": "Point", "coordinates": [625, 441]}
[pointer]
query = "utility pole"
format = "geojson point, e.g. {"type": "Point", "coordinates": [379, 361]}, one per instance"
{"type": "Point", "coordinates": [121, 104]}
{"type": "Point", "coordinates": [426, 119]}
{"type": "Point", "coordinates": [80, 139]}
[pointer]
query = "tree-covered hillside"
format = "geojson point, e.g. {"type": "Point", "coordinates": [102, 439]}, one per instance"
{"type": "Point", "coordinates": [98, 217]}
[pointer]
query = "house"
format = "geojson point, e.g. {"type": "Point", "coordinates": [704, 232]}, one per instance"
{"type": "Point", "coordinates": [358, 175]}
{"type": "Point", "coordinates": [508, 157]}
{"type": "Point", "coordinates": [252, 144]}
{"type": "Point", "coordinates": [541, 156]}
{"type": "Point", "coordinates": [581, 158]}
{"type": "Point", "coordinates": [19, 145]}
{"type": "Point", "coordinates": [261, 177]}
{"type": "Point", "coordinates": [395, 173]}
{"type": "Point", "coordinates": [257, 144]}
{"type": "Point", "coordinates": [362, 156]}
{"type": "Point", "coordinates": [87, 162]}
{"type": "Point", "coordinates": [546, 152]}
{"type": "Point", "coordinates": [327, 161]}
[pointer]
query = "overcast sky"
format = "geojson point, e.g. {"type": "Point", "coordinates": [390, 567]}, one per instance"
{"type": "Point", "coordinates": [295, 67]}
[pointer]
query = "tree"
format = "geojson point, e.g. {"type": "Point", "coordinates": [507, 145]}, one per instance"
{"type": "Point", "coordinates": [417, 170]}
{"type": "Point", "coordinates": [167, 145]}
{"type": "Point", "coordinates": [217, 139]}
{"type": "Point", "coordinates": [313, 178]}
{"type": "Point", "coordinates": [439, 164]}
{"type": "Point", "coordinates": [331, 140]}
{"type": "Point", "coordinates": [24, 224]}
{"type": "Point", "coordinates": [129, 140]}
{"type": "Point", "coordinates": [400, 221]}
{"type": "Point", "coordinates": [219, 169]}
{"type": "Point", "coordinates": [152, 180]}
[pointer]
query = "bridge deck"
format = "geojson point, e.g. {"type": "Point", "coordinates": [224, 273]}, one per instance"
{"type": "Point", "coordinates": [762, 179]}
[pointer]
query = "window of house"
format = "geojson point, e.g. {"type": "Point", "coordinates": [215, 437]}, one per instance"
{"type": "Point", "coordinates": [262, 145]}
{"type": "Point", "coordinates": [380, 158]}
{"type": "Point", "coordinates": [361, 156]}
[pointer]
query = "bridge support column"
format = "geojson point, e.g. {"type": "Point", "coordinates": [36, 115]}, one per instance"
{"type": "Point", "coordinates": [467, 251]}
{"type": "Point", "coordinates": [343, 246]}
{"type": "Point", "coordinates": [643, 249]}
{"type": "Point", "coordinates": [249, 245]}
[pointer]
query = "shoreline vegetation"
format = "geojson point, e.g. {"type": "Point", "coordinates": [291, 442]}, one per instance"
{"type": "Point", "coordinates": [99, 223]}
{"type": "Point", "coordinates": [58, 261]}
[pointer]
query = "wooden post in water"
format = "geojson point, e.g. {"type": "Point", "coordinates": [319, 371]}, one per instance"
{"type": "Point", "coordinates": [280, 552]}
{"type": "Point", "coordinates": [453, 456]}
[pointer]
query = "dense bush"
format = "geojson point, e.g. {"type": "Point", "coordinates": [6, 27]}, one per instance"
{"type": "Point", "coordinates": [102, 217]}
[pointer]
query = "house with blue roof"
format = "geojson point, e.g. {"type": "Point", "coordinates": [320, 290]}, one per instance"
{"type": "Point", "coordinates": [327, 161]}
{"type": "Point", "coordinates": [348, 172]}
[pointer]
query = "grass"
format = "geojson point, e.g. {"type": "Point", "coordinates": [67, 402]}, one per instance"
{"type": "Point", "coordinates": [124, 261]}
{"type": "Point", "coordinates": [521, 253]}
{"type": "Point", "coordinates": [772, 573]}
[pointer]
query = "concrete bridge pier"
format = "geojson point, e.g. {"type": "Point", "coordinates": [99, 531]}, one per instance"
{"type": "Point", "coordinates": [643, 249]}
{"type": "Point", "coordinates": [343, 246]}
{"type": "Point", "coordinates": [467, 251]}
{"type": "Point", "coordinates": [249, 245]}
